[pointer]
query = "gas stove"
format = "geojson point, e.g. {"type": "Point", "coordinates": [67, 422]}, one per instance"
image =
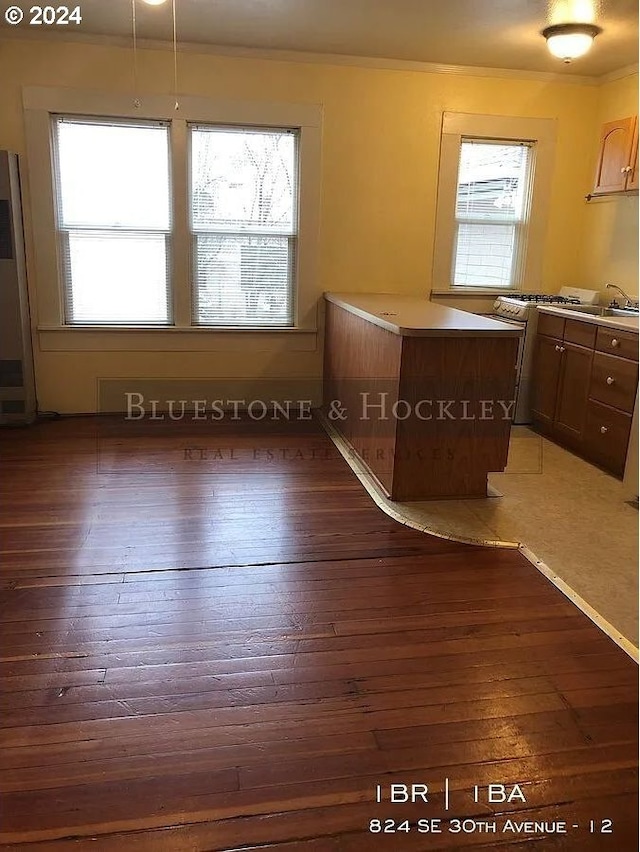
{"type": "Point", "coordinates": [522, 307]}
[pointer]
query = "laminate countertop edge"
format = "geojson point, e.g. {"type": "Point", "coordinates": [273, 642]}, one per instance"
{"type": "Point", "coordinates": [412, 316]}
{"type": "Point", "coordinates": [621, 323]}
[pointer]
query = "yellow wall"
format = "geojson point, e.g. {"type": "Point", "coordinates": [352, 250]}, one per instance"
{"type": "Point", "coordinates": [380, 162]}
{"type": "Point", "coordinates": [610, 243]}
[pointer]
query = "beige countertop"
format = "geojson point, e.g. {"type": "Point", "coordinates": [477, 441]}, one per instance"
{"type": "Point", "coordinates": [622, 323]}
{"type": "Point", "coordinates": [413, 316]}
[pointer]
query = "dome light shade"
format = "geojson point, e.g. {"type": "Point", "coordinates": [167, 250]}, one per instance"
{"type": "Point", "coordinates": [154, 2]}
{"type": "Point", "coordinates": [568, 41]}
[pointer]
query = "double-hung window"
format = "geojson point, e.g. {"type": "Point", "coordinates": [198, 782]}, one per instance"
{"type": "Point", "coordinates": [114, 220]}
{"type": "Point", "coordinates": [244, 225]}
{"type": "Point", "coordinates": [494, 188]}
{"type": "Point", "coordinates": [145, 217]}
{"type": "Point", "coordinates": [492, 210]}
{"type": "Point", "coordinates": [115, 229]}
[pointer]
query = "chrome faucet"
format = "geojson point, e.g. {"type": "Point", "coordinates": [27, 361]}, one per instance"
{"type": "Point", "coordinates": [629, 302]}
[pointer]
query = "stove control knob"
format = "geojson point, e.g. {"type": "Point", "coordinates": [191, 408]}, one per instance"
{"type": "Point", "coordinates": [496, 304]}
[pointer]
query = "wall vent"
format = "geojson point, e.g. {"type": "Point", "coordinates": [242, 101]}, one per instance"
{"type": "Point", "coordinates": [6, 248]}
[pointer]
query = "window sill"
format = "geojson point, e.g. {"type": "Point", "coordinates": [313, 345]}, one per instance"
{"type": "Point", "coordinates": [173, 329]}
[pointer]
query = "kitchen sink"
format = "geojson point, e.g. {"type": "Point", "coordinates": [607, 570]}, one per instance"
{"type": "Point", "coordinates": [600, 311]}
{"type": "Point", "coordinates": [620, 312]}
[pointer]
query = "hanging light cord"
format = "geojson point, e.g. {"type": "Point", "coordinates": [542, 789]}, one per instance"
{"type": "Point", "coordinates": [175, 56]}
{"type": "Point", "coordinates": [136, 99]}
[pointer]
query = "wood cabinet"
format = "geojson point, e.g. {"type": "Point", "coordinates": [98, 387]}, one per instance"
{"type": "Point", "coordinates": [617, 166]}
{"type": "Point", "coordinates": [546, 379]}
{"type": "Point", "coordinates": [573, 391]}
{"type": "Point", "coordinates": [584, 388]}
{"type": "Point", "coordinates": [562, 373]}
{"type": "Point", "coordinates": [424, 412]}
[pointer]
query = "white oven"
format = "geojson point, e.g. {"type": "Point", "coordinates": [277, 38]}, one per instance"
{"type": "Point", "coordinates": [523, 361]}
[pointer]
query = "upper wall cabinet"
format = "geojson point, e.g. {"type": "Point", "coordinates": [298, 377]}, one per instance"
{"type": "Point", "coordinates": [617, 168]}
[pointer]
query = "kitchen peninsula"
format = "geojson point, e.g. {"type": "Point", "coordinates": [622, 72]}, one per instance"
{"type": "Point", "coordinates": [422, 393]}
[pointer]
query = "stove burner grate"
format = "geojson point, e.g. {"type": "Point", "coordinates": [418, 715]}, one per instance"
{"type": "Point", "coordinates": [545, 298]}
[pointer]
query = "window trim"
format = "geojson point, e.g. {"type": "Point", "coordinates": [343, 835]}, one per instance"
{"type": "Point", "coordinates": [41, 103]}
{"type": "Point", "coordinates": [455, 127]}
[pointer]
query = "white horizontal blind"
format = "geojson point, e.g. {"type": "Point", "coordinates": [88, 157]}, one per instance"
{"type": "Point", "coordinates": [244, 224]}
{"type": "Point", "coordinates": [114, 220]}
{"type": "Point", "coordinates": [492, 205]}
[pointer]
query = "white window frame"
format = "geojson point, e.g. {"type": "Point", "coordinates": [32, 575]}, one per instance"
{"type": "Point", "coordinates": [456, 127]}
{"type": "Point", "coordinates": [41, 104]}
{"type": "Point", "coordinates": [294, 241]}
{"type": "Point", "coordinates": [66, 281]}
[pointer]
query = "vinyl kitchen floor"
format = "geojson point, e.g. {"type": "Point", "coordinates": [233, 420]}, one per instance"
{"type": "Point", "coordinates": [572, 515]}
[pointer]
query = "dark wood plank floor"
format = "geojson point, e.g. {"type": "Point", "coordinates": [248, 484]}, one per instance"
{"type": "Point", "coordinates": [214, 640]}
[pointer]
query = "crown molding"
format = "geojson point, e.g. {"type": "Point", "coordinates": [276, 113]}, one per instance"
{"type": "Point", "coordinates": [621, 73]}
{"type": "Point", "coordinates": [320, 58]}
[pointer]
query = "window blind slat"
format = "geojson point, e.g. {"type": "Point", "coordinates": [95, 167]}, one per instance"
{"type": "Point", "coordinates": [244, 280]}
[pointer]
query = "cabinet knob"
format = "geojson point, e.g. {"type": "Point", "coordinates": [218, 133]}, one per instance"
{"type": "Point", "coordinates": [611, 380]}
{"type": "Point", "coordinates": [603, 430]}
{"type": "Point", "coordinates": [562, 348]}
{"type": "Point", "coordinates": [558, 349]}
{"type": "Point", "coordinates": [615, 343]}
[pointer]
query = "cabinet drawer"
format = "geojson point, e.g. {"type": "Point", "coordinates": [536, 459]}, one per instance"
{"type": "Point", "coordinates": [607, 436]}
{"type": "Point", "coordinates": [582, 333]}
{"type": "Point", "coordinates": [614, 381]}
{"type": "Point", "coordinates": [550, 325]}
{"type": "Point", "coordinates": [616, 342]}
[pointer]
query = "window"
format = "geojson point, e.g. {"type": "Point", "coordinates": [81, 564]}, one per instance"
{"type": "Point", "coordinates": [244, 190]}
{"type": "Point", "coordinates": [491, 213]}
{"type": "Point", "coordinates": [205, 218]}
{"type": "Point", "coordinates": [114, 221]}
{"type": "Point", "coordinates": [494, 185]}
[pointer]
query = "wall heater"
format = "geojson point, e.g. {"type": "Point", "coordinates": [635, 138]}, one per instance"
{"type": "Point", "coordinates": [17, 385]}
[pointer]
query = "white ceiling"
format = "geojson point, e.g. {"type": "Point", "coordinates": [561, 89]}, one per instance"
{"type": "Point", "coordinates": [486, 33]}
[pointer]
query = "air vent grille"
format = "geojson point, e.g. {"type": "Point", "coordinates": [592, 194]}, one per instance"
{"type": "Point", "coordinates": [6, 248]}
{"type": "Point", "coordinates": [11, 373]}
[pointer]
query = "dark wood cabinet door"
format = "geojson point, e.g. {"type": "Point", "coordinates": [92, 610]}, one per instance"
{"type": "Point", "coordinates": [573, 390]}
{"type": "Point", "coordinates": [546, 374]}
{"type": "Point", "coordinates": [607, 437]}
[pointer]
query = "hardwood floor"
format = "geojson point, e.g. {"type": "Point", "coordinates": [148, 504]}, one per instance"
{"type": "Point", "coordinates": [214, 640]}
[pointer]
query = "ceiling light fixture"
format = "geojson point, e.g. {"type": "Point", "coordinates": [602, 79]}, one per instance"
{"type": "Point", "coordinates": [155, 2]}
{"type": "Point", "coordinates": [568, 41]}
